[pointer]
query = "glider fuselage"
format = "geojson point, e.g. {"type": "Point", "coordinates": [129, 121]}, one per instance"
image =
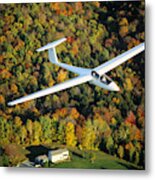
{"type": "Point", "coordinates": [103, 81]}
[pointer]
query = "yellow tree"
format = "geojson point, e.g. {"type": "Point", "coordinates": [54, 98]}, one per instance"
{"type": "Point", "coordinates": [37, 132]}
{"type": "Point", "coordinates": [62, 75]}
{"type": "Point", "coordinates": [88, 136]}
{"type": "Point", "coordinates": [23, 134]}
{"type": "Point", "coordinates": [17, 124]}
{"type": "Point", "coordinates": [120, 151]}
{"type": "Point", "coordinates": [17, 121]}
{"type": "Point", "coordinates": [128, 84]}
{"type": "Point", "coordinates": [14, 88]}
{"type": "Point", "coordinates": [124, 27]}
{"type": "Point", "coordinates": [70, 137]}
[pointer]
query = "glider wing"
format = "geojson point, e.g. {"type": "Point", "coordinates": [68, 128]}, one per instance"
{"type": "Point", "coordinates": [59, 87]}
{"type": "Point", "coordinates": [113, 63]}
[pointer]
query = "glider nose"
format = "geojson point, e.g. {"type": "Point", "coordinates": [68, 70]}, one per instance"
{"type": "Point", "coordinates": [114, 86]}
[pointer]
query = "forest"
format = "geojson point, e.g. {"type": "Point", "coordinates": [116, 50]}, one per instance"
{"type": "Point", "coordinates": [85, 117]}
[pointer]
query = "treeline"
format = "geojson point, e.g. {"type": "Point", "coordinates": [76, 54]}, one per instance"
{"type": "Point", "coordinates": [68, 127]}
{"type": "Point", "coordinates": [85, 116]}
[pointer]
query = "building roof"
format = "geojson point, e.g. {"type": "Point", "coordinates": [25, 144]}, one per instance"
{"type": "Point", "coordinates": [58, 151]}
{"type": "Point", "coordinates": [41, 157]}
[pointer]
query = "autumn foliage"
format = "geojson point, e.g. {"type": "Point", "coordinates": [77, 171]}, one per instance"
{"type": "Point", "coordinates": [86, 116]}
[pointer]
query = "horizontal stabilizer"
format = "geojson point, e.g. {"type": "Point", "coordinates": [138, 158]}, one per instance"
{"type": "Point", "coordinates": [51, 45]}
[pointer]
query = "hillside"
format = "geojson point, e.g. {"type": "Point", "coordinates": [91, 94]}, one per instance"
{"type": "Point", "coordinates": [85, 117]}
{"type": "Point", "coordinates": [96, 160]}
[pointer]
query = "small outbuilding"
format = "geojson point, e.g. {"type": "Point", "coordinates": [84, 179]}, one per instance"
{"type": "Point", "coordinates": [59, 155]}
{"type": "Point", "coordinates": [41, 159]}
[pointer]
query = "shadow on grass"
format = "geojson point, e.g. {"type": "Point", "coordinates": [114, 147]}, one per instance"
{"type": "Point", "coordinates": [36, 151]}
{"type": "Point", "coordinates": [77, 154]}
{"type": "Point", "coordinates": [131, 167]}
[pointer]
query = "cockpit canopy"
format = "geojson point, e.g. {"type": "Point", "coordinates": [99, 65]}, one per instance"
{"type": "Point", "coordinates": [104, 78]}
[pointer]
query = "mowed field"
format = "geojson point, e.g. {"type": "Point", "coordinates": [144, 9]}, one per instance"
{"type": "Point", "coordinates": [94, 160]}
{"type": "Point", "coordinates": [80, 159]}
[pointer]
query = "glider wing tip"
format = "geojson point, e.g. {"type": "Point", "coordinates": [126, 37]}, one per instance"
{"type": "Point", "coordinates": [38, 50]}
{"type": "Point", "coordinates": [10, 103]}
{"type": "Point", "coordinates": [65, 38]}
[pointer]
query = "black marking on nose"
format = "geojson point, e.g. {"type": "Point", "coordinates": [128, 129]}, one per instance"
{"type": "Point", "coordinates": [95, 74]}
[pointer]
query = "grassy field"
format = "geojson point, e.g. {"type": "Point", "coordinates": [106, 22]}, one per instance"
{"type": "Point", "coordinates": [79, 159]}
{"type": "Point", "coordinates": [94, 160]}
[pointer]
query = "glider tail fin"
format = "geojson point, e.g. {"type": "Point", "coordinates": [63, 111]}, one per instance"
{"type": "Point", "coordinates": [53, 56]}
{"type": "Point", "coordinates": [51, 50]}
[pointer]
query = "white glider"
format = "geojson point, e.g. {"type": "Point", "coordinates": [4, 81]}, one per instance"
{"type": "Point", "coordinates": [96, 76]}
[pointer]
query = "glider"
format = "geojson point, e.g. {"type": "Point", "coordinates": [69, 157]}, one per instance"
{"type": "Point", "coordinates": [96, 76]}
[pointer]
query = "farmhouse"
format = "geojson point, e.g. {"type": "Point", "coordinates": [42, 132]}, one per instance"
{"type": "Point", "coordinates": [59, 155]}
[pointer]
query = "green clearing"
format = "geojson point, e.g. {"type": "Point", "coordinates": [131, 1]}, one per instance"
{"type": "Point", "coordinates": [94, 160]}
{"type": "Point", "coordinates": [80, 159]}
